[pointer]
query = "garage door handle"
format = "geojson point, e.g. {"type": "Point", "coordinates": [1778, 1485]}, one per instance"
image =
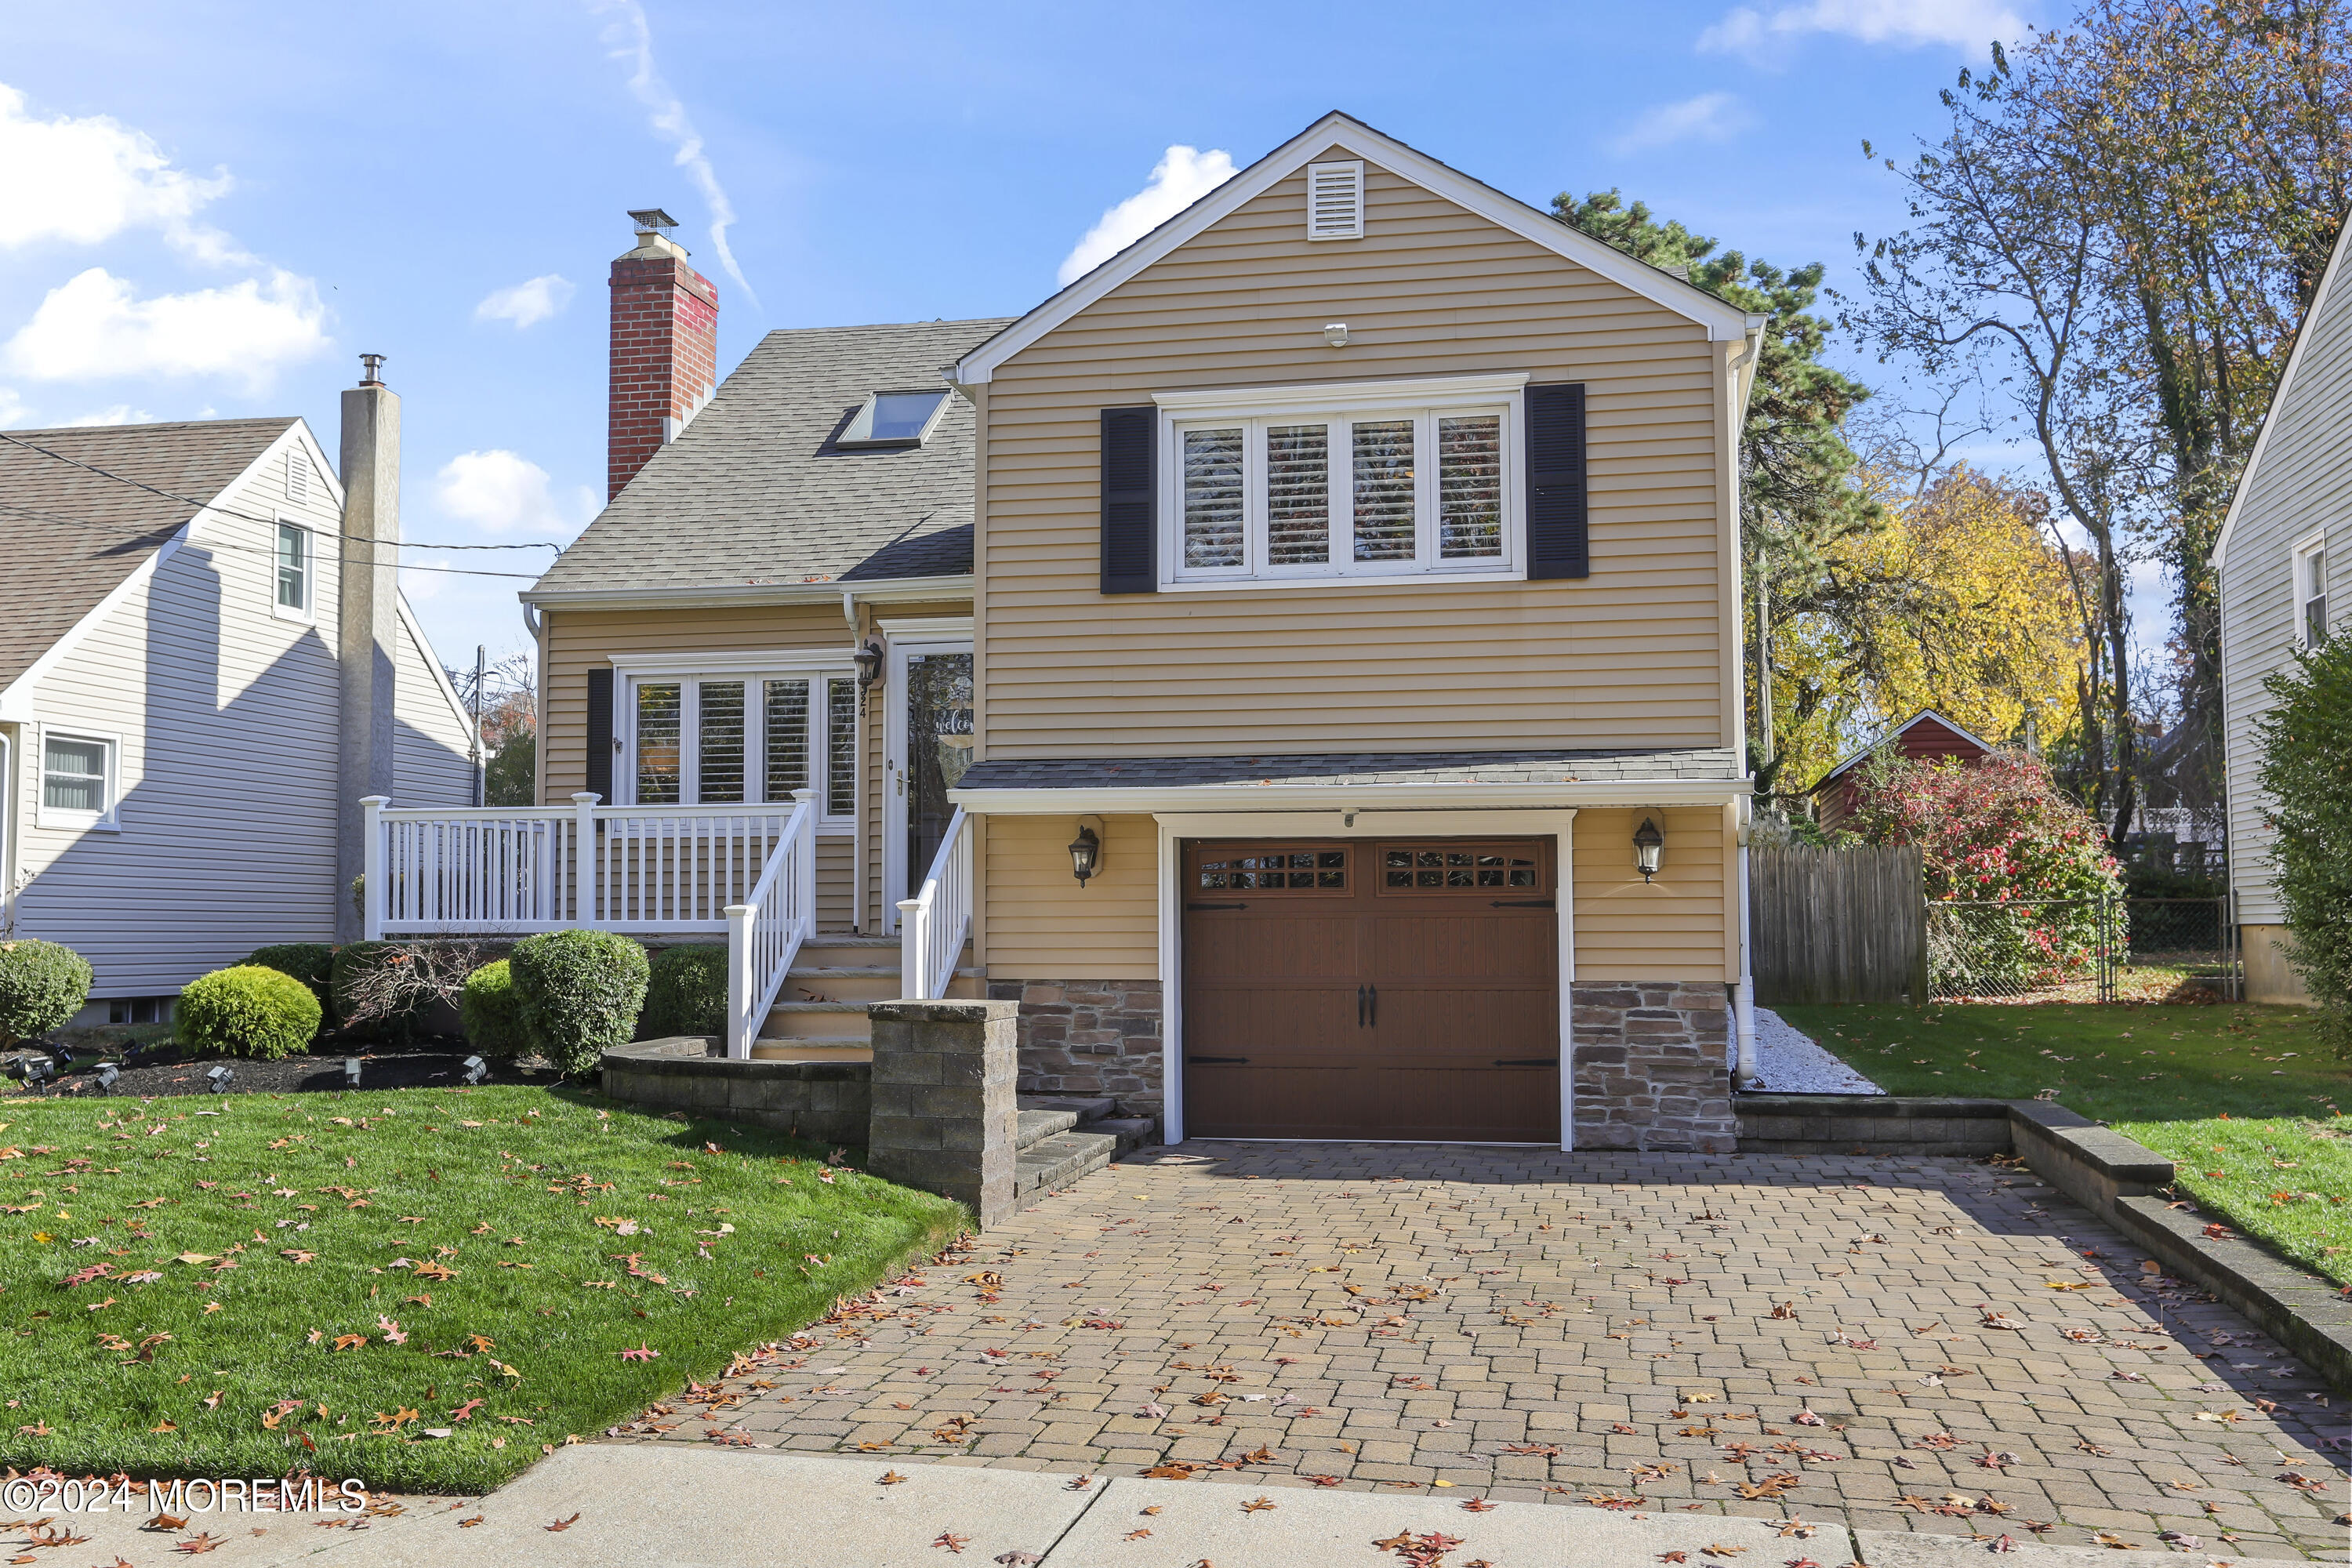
{"type": "Point", "coordinates": [1530, 1062]}
{"type": "Point", "coordinates": [1373, 994]}
{"type": "Point", "coordinates": [1523, 904]}
{"type": "Point", "coordinates": [1216, 906]}
{"type": "Point", "coordinates": [1360, 1006]}
{"type": "Point", "coordinates": [1216, 1061]}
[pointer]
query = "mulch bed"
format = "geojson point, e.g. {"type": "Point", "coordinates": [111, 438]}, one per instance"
{"type": "Point", "coordinates": [427, 1064]}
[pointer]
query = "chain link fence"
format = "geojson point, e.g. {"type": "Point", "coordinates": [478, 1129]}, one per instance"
{"type": "Point", "coordinates": [2080, 950]}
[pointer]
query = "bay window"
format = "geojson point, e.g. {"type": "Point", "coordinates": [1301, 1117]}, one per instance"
{"type": "Point", "coordinates": [1341, 483]}
{"type": "Point", "coordinates": [744, 738]}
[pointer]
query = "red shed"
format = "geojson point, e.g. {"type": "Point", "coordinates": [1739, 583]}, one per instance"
{"type": "Point", "coordinates": [1925, 736]}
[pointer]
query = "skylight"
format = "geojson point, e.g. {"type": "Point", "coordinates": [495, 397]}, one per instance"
{"type": "Point", "coordinates": [893, 419]}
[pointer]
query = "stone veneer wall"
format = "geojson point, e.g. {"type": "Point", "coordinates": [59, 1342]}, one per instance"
{"type": "Point", "coordinates": [1650, 1067]}
{"type": "Point", "coordinates": [1090, 1038]}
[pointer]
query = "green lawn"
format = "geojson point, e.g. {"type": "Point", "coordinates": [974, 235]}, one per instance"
{"type": "Point", "coordinates": [257, 1284]}
{"type": "Point", "coordinates": [2244, 1100]}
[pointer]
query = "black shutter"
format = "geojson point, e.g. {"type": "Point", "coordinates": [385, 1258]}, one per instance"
{"type": "Point", "coordinates": [1130, 501]}
{"type": "Point", "coordinates": [1558, 539]}
{"type": "Point", "coordinates": [600, 733]}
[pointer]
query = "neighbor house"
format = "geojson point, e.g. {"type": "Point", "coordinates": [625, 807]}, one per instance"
{"type": "Point", "coordinates": [2279, 562]}
{"type": "Point", "coordinates": [1301, 656]}
{"type": "Point", "coordinates": [197, 668]}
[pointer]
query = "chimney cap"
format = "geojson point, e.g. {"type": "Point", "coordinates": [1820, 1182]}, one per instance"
{"type": "Point", "coordinates": [371, 369]}
{"type": "Point", "coordinates": [653, 218]}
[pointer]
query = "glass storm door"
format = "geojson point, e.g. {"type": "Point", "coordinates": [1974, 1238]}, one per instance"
{"type": "Point", "coordinates": [937, 749]}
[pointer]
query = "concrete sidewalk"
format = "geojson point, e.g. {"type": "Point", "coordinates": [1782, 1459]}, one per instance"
{"type": "Point", "coordinates": [627, 1507]}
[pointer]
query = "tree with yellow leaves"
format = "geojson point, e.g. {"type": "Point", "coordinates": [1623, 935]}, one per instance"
{"type": "Point", "coordinates": [1960, 602]}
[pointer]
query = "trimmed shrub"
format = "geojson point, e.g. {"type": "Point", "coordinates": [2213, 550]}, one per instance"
{"type": "Point", "coordinates": [311, 963]}
{"type": "Point", "coordinates": [355, 964]}
{"type": "Point", "coordinates": [688, 993]}
{"type": "Point", "coordinates": [248, 1011]}
{"type": "Point", "coordinates": [41, 985]}
{"type": "Point", "coordinates": [491, 1013]}
{"type": "Point", "coordinates": [2306, 738]}
{"type": "Point", "coordinates": [580, 992]}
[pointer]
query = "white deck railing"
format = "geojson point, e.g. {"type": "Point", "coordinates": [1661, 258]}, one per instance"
{"type": "Point", "coordinates": [747, 870]}
{"type": "Point", "coordinates": [934, 922]}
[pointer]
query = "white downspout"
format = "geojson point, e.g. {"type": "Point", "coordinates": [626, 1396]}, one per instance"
{"type": "Point", "coordinates": [857, 817]}
{"type": "Point", "coordinates": [1743, 995]}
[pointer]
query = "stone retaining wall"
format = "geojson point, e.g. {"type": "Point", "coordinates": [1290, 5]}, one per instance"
{"type": "Point", "coordinates": [830, 1103]}
{"type": "Point", "coordinates": [1871, 1124]}
{"type": "Point", "coordinates": [1091, 1037]}
{"type": "Point", "coordinates": [1650, 1067]}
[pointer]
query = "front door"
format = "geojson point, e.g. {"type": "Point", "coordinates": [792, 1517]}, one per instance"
{"type": "Point", "coordinates": [1404, 989]}
{"type": "Point", "coordinates": [931, 747]}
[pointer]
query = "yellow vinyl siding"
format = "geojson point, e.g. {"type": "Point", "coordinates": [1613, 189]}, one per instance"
{"type": "Point", "coordinates": [1635, 656]}
{"type": "Point", "coordinates": [1039, 924]}
{"type": "Point", "coordinates": [580, 640]}
{"type": "Point", "coordinates": [1672, 928]}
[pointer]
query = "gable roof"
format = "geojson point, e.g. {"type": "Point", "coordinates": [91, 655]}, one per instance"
{"type": "Point", "coordinates": [1925, 716]}
{"type": "Point", "coordinates": [2303, 333]}
{"type": "Point", "coordinates": [1724, 321]}
{"type": "Point", "coordinates": [69, 537]}
{"type": "Point", "coordinates": [754, 492]}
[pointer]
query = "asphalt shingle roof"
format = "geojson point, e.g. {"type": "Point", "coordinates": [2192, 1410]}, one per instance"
{"type": "Point", "coordinates": [754, 491]}
{"type": "Point", "coordinates": [68, 537]}
{"type": "Point", "coordinates": [1349, 768]}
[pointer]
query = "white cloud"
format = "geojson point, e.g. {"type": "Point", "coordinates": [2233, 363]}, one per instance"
{"type": "Point", "coordinates": [1762, 36]}
{"type": "Point", "coordinates": [84, 181]}
{"type": "Point", "coordinates": [1709, 117]}
{"type": "Point", "coordinates": [500, 491]}
{"type": "Point", "coordinates": [1182, 176]}
{"type": "Point", "coordinates": [121, 414]}
{"type": "Point", "coordinates": [631, 41]}
{"type": "Point", "coordinates": [526, 302]}
{"type": "Point", "coordinates": [419, 586]}
{"type": "Point", "coordinates": [94, 327]}
{"type": "Point", "coordinates": [12, 409]}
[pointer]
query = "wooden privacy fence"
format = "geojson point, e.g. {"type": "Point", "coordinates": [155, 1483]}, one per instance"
{"type": "Point", "coordinates": [1838, 925]}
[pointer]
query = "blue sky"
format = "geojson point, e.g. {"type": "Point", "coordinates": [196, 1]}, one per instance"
{"type": "Point", "coordinates": [211, 208]}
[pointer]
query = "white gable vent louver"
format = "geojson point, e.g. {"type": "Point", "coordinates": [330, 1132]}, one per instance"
{"type": "Point", "coordinates": [1335, 201]}
{"type": "Point", "coordinates": [298, 477]}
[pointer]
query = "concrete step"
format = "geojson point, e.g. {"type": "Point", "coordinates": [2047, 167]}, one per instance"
{"type": "Point", "coordinates": [1052, 1164]}
{"type": "Point", "coordinates": [1085, 1107]}
{"type": "Point", "coordinates": [1039, 1125]}
{"type": "Point", "coordinates": [834, 985]}
{"type": "Point", "coordinates": [881, 971]}
{"type": "Point", "coordinates": [811, 1050]}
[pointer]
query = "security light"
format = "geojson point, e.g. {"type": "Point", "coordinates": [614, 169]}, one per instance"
{"type": "Point", "coordinates": [476, 1070]}
{"type": "Point", "coordinates": [1648, 842]}
{"type": "Point", "coordinates": [1336, 334]}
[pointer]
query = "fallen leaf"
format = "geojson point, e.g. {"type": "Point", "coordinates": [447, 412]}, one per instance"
{"type": "Point", "coordinates": [562, 1523]}
{"type": "Point", "coordinates": [1258, 1505]}
{"type": "Point", "coordinates": [952, 1541]}
{"type": "Point", "coordinates": [889, 1479]}
{"type": "Point", "coordinates": [643, 1352]}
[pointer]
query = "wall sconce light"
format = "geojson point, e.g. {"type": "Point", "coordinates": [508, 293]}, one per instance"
{"type": "Point", "coordinates": [1086, 850]}
{"type": "Point", "coordinates": [1336, 334]}
{"type": "Point", "coordinates": [868, 658]}
{"type": "Point", "coordinates": [1648, 842]}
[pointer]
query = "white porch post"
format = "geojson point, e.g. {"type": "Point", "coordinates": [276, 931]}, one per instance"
{"type": "Point", "coordinates": [372, 871]}
{"type": "Point", "coordinates": [1743, 995]}
{"type": "Point", "coordinates": [584, 855]}
{"type": "Point", "coordinates": [804, 862]}
{"type": "Point", "coordinates": [740, 1026]}
{"type": "Point", "coordinates": [910, 948]}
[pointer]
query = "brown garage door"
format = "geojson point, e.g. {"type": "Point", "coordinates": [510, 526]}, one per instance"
{"type": "Point", "coordinates": [1402, 989]}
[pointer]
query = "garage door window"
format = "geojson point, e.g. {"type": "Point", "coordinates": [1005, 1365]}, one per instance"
{"type": "Point", "coordinates": [1284, 869]}
{"type": "Point", "coordinates": [1457, 867]}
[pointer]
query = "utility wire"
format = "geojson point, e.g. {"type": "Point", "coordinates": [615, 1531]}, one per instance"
{"type": "Point", "coordinates": [160, 535]}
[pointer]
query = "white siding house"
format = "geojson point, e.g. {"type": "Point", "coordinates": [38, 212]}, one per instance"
{"type": "Point", "coordinates": [170, 773]}
{"type": "Point", "coordinates": [2285, 582]}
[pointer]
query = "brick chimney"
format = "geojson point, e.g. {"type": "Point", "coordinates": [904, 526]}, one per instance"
{"type": "Point", "coordinates": [665, 348]}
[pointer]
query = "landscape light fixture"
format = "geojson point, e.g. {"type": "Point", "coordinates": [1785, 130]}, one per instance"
{"type": "Point", "coordinates": [1648, 842]}
{"type": "Point", "coordinates": [1086, 849]}
{"type": "Point", "coordinates": [61, 1055]}
{"type": "Point", "coordinates": [219, 1079]}
{"type": "Point", "coordinates": [35, 1069]}
{"type": "Point", "coordinates": [106, 1073]}
{"type": "Point", "coordinates": [350, 1072]}
{"type": "Point", "coordinates": [476, 1070]}
{"type": "Point", "coordinates": [868, 660]}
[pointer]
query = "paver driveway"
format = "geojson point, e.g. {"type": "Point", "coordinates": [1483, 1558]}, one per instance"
{"type": "Point", "coordinates": [1576, 1327]}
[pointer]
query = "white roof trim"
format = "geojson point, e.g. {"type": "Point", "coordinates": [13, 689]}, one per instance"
{"type": "Point", "coordinates": [2279, 393]}
{"type": "Point", "coordinates": [1318, 397]}
{"type": "Point", "coordinates": [1060, 801]}
{"type": "Point", "coordinates": [871, 590]}
{"type": "Point", "coordinates": [1899, 729]}
{"type": "Point", "coordinates": [1725, 322]}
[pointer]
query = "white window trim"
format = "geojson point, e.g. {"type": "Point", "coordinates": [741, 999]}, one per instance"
{"type": "Point", "coordinates": [309, 613]}
{"type": "Point", "coordinates": [687, 673]}
{"type": "Point", "coordinates": [863, 418]}
{"type": "Point", "coordinates": [58, 819]}
{"type": "Point", "coordinates": [1354, 169]}
{"type": "Point", "coordinates": [1256, 408]}
{"type": "Point", "coordinates": [2300, 586]}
